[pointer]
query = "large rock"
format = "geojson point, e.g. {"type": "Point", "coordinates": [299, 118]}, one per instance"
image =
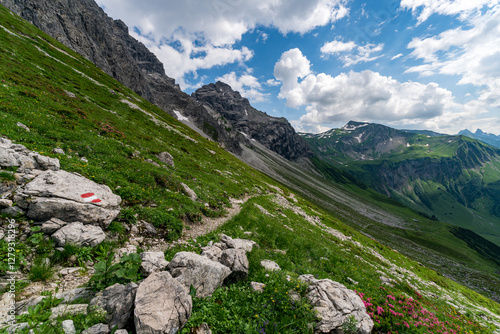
{"type": "Point", "coordinates": [166, 158]}
{"type": "Point", "coordinates": [118, 302]}
{"type": "Point", "coordinates": [334, 304]}
{"type": "Point", "coordinates": [152, 262]}
{"type": "Point", "coordinates": [79, 235]}
{"type": "Point", "coordinates": [237, 261]}
{"type": "Point", "coordinates": [213, 251]}
{"type": "Point", "coordinates": [52, 225]}
{"type": "Point", "coordinates": [228, 242]}
{"type": "Point", "coordinates": [97, 329]}
{"type": "Point", "coordinates": [162, 305]}
{"type": "Point", "coordinates": [202, 273]}
{"type": "Point", "coordinates": [16, 155]}
{"type": "Point", "coordinates": [70, 197]}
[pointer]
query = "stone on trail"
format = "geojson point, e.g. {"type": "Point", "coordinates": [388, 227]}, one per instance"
{"type": "Point", "coordinates": [152, 262]}
{"type": "Point", "coordinates": [202, 273]}
{"type": "Point", "coordinates": [162, 305]}
{"type": "Point", "coordinates": [118, 302]}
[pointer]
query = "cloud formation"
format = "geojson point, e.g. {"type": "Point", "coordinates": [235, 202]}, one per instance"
{"type": "Point", "coordinates": [361, 53]}
{"type": "Point", "coordinates": [423, 9]}
{"type": "Point", "coordinates": [365, 95]}
{"type": "Point", "coordinates": [189, 35]}
{"type": "Point", "coordinates": [470, 54]}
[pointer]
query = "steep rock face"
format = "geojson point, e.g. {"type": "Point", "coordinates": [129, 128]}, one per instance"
{"type": "Point", "coordinates": [275, 133]}
{"type": "Point", "coordinates": [84, 27]}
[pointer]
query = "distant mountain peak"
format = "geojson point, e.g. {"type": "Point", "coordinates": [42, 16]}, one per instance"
{"type": "Point", "coordinates": [353, 125]}
{"type": "Point", "coordinates": [275, 133]}
{"type": "Point", "coordinates": [485, 137]}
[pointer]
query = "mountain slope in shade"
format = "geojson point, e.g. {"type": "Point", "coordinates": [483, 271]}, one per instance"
{"type": "Point", "coordinates": [453, 178]}
{"type": "Point", "coordinates": [487, 138]}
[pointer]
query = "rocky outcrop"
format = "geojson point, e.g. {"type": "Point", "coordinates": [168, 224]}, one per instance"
{"type": "Point", "coordinates": [274, 133]}
{"type": "Point", "coordinates": [51, 226]}
{"type": "Point", "coordinates": [162, 305]}
{"type": "Point", "coordinates": [26, 161]}
{"type": "Point", "coordinates": [69, 197]}
{"type": "Point", "coordinates": [118, 302]}
{"type": "Point", "coordinates": [213, 251]}
{"type": "Point", "coordinates": [79, 235]}
{"type": "Point", "coordinates": [47, 194]}
{"type": "Point", "coordinates": [152, 262]}
{"type": "Point", "coordinates": [97, 329]}
{"type": "Point", "coordinates": [245, 244]}
{"type": "Point", "coordinates": [203, 274]}
{"type": "Point", "coordinates": [237, 261]}
{"type": "Point", "coordinates": [334, 304]}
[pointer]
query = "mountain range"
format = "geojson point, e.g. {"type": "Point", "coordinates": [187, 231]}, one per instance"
{"type": "Point", "coordinates": [431, 197]}
{"type": "Point", "coordinates": [451, 178]}
{"type": "Point", "coordinates": [487, 138]}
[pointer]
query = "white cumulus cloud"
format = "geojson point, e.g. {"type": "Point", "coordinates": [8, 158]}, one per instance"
{"type": "Point", "coordinates": [361, 53]}
{"type": "Point", "coordinates": [464, 8]}
{"type": "Point", "coordinates": [211, 28]}
{"type": "Point", "coordinates": [365, 95]}
{"type": "Point", "coordinates": [337, 47]}
{"type": "Point", "coordinates": [470, 54]}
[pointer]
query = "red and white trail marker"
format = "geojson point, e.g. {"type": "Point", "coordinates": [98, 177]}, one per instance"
{"type": "Point", "coordinates": [90, 197]}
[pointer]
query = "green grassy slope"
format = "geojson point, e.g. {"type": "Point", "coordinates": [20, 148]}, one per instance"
{"type": "Point", "coordinates": [449, 177]}
{"type": "Point", "coordinates": [413, 233]}
{"type": "Point", "coordinates": [117, 132]}
{"type": "Point", "coordinates": [114, 129]}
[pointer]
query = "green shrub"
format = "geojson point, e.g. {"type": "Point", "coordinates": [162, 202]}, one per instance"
{"type": "Point", "coordinates": [127, 215]}
{"type": "Point", "coordinates": [6, 176]}
{"type": "Point", "coordinates": [350, 325]}
{"type": "Point", "coordinates": [169, 225]}
{"type": "Point", "coordinates": [41, 269]}
{"type": "Point", "coordinates": [108, 273]}
{"type": "Point", "coordinates": [117, 227]}
{"type": "Point", "coordinates": [239, 309]}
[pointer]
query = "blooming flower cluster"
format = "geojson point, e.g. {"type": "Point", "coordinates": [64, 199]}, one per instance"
{"type": "Point", "coordinates": [399, 314]}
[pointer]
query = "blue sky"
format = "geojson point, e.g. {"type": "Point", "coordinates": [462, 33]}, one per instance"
{"type": "Point", "coordinates": [418, 64]}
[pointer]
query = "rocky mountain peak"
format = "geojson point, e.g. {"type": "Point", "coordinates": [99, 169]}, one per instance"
{"type": "Point", "coordinates": [274, 133]}
{"type": "Point", "coordinates": [221, 97]}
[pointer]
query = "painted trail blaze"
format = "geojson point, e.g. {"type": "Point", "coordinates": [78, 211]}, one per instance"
{"type": "Point", "coordinates": [90, 197]}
